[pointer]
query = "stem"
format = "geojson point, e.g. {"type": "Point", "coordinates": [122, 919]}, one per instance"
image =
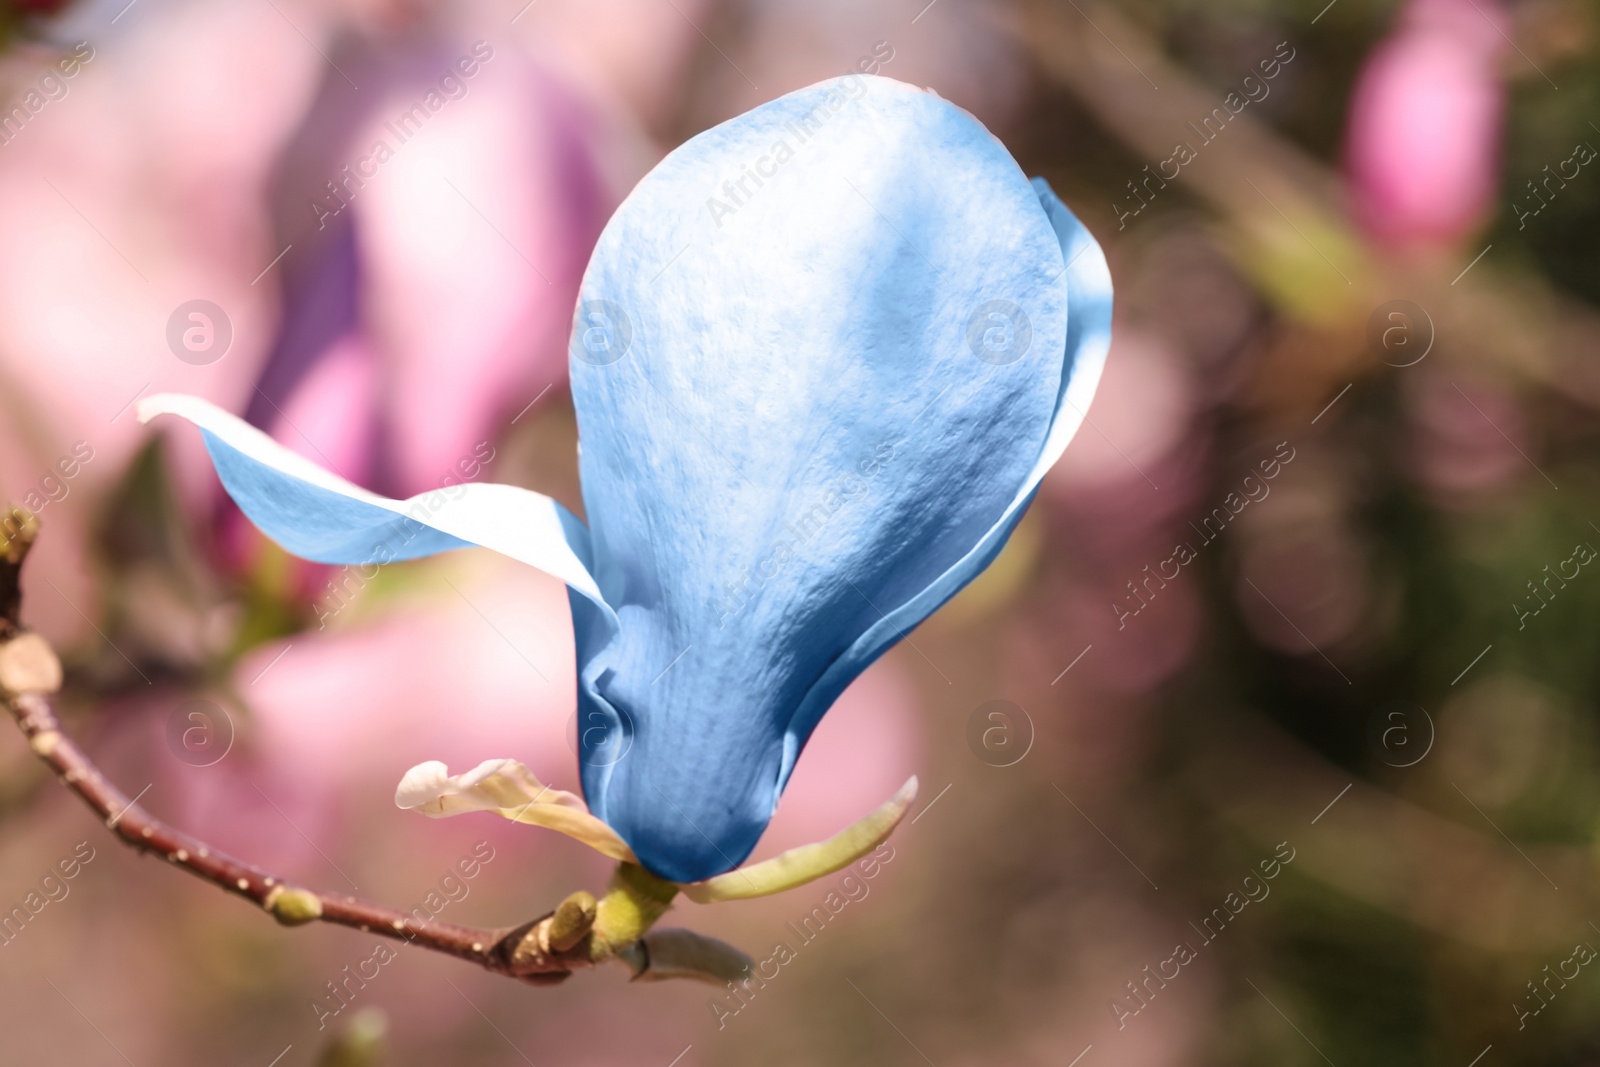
{"type": "Point", "coordinates": [290, 905]}
{"type": "Point", "coordinates": [633, 903]}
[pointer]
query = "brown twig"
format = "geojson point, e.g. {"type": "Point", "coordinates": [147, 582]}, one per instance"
{"type": "Point", "coordinates": [29, 672]}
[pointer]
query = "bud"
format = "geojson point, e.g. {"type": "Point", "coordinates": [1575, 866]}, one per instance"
{"type": "Point", "coordinates": [293, 907]}
{"type": "Point", "coordinates": [572, 921]}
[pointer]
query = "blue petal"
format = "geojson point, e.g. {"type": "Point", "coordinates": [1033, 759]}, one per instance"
{"type": "Point", "coordinates": [322, 517]}
{"type": "Point", "coordinates": [823, 355]}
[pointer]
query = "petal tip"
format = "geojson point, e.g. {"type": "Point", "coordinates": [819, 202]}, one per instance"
{"type": "Point", "coordinates": [419, 785]}
{"type": "Point", "coordinates": [164, 404]}
{"type": "Point", "coordinates": [150, 407]}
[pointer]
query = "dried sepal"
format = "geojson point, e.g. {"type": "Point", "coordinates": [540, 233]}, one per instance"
{"type": "Point", "coordinates": [509, 789]}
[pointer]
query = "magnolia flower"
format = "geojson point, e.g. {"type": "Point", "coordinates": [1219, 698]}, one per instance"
{"type": "Point", "coordinates": [822, 357]}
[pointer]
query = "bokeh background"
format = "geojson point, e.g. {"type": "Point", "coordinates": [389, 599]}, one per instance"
{"type": "Point", "coordinates": [1353, 375]}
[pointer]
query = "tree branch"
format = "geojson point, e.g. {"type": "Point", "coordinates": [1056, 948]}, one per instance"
{"type": "Point", "coordinates": [543, 951]}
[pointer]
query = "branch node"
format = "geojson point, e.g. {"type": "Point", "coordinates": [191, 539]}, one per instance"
{"type": "Point", "coordinates": [44, 743]}
{"type": "Point", "coordinates": [28, 665]}
{"type": "Point", "coordinates": [293, 907]}
{"type": "Point", "coordinates": [527, 949]}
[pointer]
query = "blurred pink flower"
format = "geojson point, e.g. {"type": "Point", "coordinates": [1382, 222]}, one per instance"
{"type": "Point", "coordinates": [631, 58]}
{"type": "Point", "coordinates": [1315, 574]}
{"type": "Point", "coordinates": [463, 674]}
{"type": "Point", "coordinates": [1133, 468]}
{"type": "Point", "coordinates": [439, 300]}
{"type": "Point", "coordinates": [476, 662]}
{"type": "Point", "coordinates": [437, 224]}
{"type": "Point", "coordinates": [134, 191]}
{"type": "Point", "coordinates": [1466, 439]}
{"type": "Point", "coordinates": [959, 51]}
{"type": "Point", "coordinates": [1423, 141]}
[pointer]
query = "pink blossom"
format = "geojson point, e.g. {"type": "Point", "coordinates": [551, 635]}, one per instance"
{"type": "Point", "coordinates": [1423, 142]}
{"type": "Point", "coordinates": [438, 222]}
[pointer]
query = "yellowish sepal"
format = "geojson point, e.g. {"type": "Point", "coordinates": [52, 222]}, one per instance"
{"type": "Point", "coordinates": [808, 862]}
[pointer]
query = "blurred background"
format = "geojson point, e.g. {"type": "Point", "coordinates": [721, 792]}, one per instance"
{"type": "Point", "coordinates": [1254, 747]}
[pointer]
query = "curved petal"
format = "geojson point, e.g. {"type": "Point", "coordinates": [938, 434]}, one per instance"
{"type": "Point", "coordinates": [808, 862]}
{"type": "Point", "coordinates": [1088, 339]}
{"type": "Point", "coordinates": [321, 517]}
{"type": "Point", "coordinates": [823, 355]}
{"type": "Point", "coordinates": [509, 789]}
